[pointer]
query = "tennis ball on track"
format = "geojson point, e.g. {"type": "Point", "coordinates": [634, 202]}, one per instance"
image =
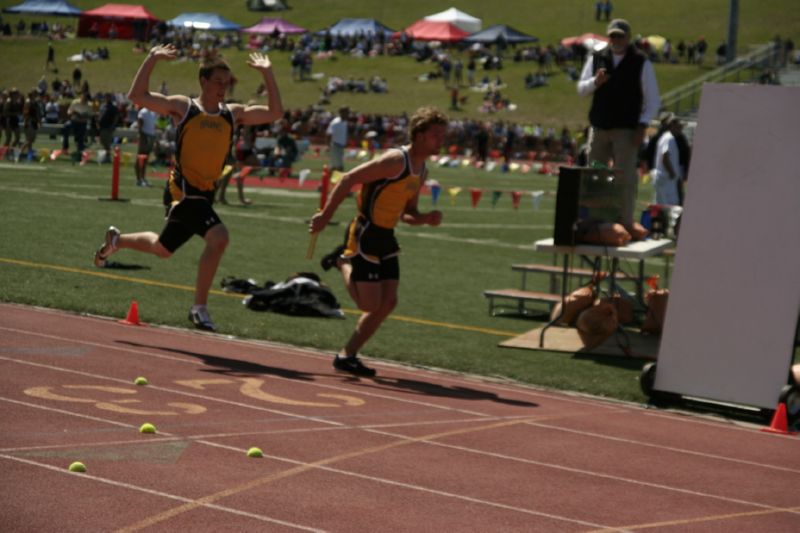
{"type": "Point", "coordinates": [255, 452]}
{"type": "Point", "coordinates": [140, 381]}
{"type": "Point", "coordinates": [77, 466]}
{"type": "Point", "coordinates": [147, 428]}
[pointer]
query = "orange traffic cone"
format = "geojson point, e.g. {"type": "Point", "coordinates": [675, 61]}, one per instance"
{"type": "Point", "coordinates": [780, 422]}
{"type": "Point", "coordinates": [133, 315]}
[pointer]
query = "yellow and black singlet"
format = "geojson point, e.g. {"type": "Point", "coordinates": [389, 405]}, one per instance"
{"type": "Point", "coordinates": [203, 144]}
{"type": "Point", "coordinates": [381, 203]}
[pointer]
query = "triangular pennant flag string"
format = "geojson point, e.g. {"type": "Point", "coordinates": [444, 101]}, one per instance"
{"type": "Point", "coordinates": [536, 196]}
{"type": "Point", "coordinates": [496, 196]}
{"type": "Point", "coordinates": [453, 191]}
{"type": "Point", "coordinates": [476, 196]}
{"type": "Point", "coordinates": [515, 197]}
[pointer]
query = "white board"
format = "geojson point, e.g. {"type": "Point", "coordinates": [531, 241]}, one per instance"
{"type": "Point", "coordinates": [735, 291]}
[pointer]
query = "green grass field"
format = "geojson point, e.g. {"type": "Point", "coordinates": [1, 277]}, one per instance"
{"type": "Point", "coordinates": [442, 319]}
{"type": "Point", "coordinates": [22, 60]}
{"type": "Point", "coordinates": [55, 219]}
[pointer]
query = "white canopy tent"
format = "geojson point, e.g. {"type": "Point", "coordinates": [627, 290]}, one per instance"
{"type": "Point", "coordinates": [466, 22]}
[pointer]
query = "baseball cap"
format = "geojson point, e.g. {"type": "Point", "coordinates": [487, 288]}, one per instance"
{"type": "Point", "coordinates": [618, 26]}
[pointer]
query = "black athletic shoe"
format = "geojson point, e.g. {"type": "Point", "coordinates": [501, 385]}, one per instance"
{"type": "Point", "coordinates": [353, 365]}
{"type": "Point", "coordinates": [329, 261]}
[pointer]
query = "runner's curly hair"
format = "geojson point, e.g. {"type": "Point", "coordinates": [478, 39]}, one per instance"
{"type": "Point", "coordinates": [424, 118]}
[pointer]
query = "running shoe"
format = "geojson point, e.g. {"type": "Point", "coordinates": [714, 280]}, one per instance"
{"type": "Point", "coordinates": [353, 365]}
{"type": "Point", "coordinates": [107, 248]}
{"type": "Point", "coordinates": [201, 319]}
{"type": "Point", "coordinates": [329, 261]}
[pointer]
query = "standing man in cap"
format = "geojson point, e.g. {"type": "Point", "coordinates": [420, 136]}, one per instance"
{"type": "Point", "coordinates": [625, 99]}
{"type": "Point", "coordinates": [337, 136]}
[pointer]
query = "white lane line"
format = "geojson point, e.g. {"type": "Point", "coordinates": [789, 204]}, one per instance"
{"type": "Point", "coordinates": [402, 438]}
{"type": "Point", "coordinates": [661, 447]}
{"type": "Point", "coordinates": [174, 391]}
{"type": "Point", "coordinates": [584, 472]}
{"type": "Point", "coordinates": [161, 494]}
{"type": "Point", "coordinates": [144, 351]}
{"type": "Point", "coordinates": [598, 403]}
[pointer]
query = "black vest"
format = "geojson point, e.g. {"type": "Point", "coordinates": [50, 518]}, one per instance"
{"type": "Point", "coordinates": [618, 102]}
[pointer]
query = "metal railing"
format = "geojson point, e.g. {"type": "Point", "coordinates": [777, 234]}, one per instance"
{"type": "Point", "coordinates": [686, 98]}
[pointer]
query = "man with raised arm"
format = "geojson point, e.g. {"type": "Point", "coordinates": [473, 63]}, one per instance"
{"type": "Point", "coordinates": [205, 128]}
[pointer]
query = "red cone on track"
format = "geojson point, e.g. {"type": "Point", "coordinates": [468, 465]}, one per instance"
{"type": "Point", "coordinates": [780, 422]}
{"type": "Point", "coordinates": [133, 315]}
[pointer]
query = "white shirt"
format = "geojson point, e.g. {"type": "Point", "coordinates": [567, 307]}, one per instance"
{"type": "Point", "coordinates": [337, 129]}
{"type": "Point", "coordinates": [651, 100]}
{"type": "Point", "coordinates": [148, 118]}
{"type": "Point", "coordinates": [667, 145]}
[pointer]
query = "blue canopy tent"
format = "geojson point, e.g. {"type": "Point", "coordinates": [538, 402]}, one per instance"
{"type": "Point", "coordinates": [204, 21]}
{"type": "Point", "coordinates": [500, 33]}
{"type": "Point", "coordinates": [45, 7]}
{"type": "Point", "coordinates": [352, 27]}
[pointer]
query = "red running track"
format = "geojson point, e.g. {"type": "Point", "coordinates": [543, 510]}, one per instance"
{"type": "Point", "coordinates": [411, 450]}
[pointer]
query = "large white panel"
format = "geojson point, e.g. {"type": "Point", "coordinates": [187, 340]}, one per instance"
{"type": "Point", "coordinates": [735, 290]}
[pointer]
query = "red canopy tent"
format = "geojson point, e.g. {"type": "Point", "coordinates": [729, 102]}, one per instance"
{"type": "Point", "coordinates": [131, 22]}
{"type": "Point", "coordinates": [427, 30]}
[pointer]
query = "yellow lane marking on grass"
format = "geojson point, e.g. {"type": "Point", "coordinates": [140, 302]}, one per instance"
{"type": "Point", "coordinates": [117, 277]}
{"type": "Point", "coordinates": [700, 519]}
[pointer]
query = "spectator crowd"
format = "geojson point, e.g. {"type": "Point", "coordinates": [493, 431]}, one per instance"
{"type": "Point", "coordinates": [88, 118]}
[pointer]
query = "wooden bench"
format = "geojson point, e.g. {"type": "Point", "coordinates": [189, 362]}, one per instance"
{"type": "Point", "coordinates": [583, 274]}
{"type": "Point", "coordinates": [521, 297]}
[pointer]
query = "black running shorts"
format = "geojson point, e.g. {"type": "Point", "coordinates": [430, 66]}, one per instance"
{"type": "Point", "coordinates": [191, 216]}
{"type": "Point", "coordinates": [386, 269]}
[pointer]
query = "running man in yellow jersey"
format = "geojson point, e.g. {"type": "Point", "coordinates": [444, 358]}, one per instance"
{"type": "Point", "coordinates": [390, 186]}
{"type": "Point", "coordinates": [205, 127]}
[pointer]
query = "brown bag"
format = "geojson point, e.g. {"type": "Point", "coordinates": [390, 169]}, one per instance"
{"type": "Point", "coordinates": [623, 306]}
{"type": "Point", "coordinates": [575, 302]}
{"type": "Point", "coordinates": [596, 324]}
{"type": "Point", "coordinates": [656, 311]}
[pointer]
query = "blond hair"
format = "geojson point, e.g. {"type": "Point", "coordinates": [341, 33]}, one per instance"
{"type": "Point", "coordinates": [424, 118]}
